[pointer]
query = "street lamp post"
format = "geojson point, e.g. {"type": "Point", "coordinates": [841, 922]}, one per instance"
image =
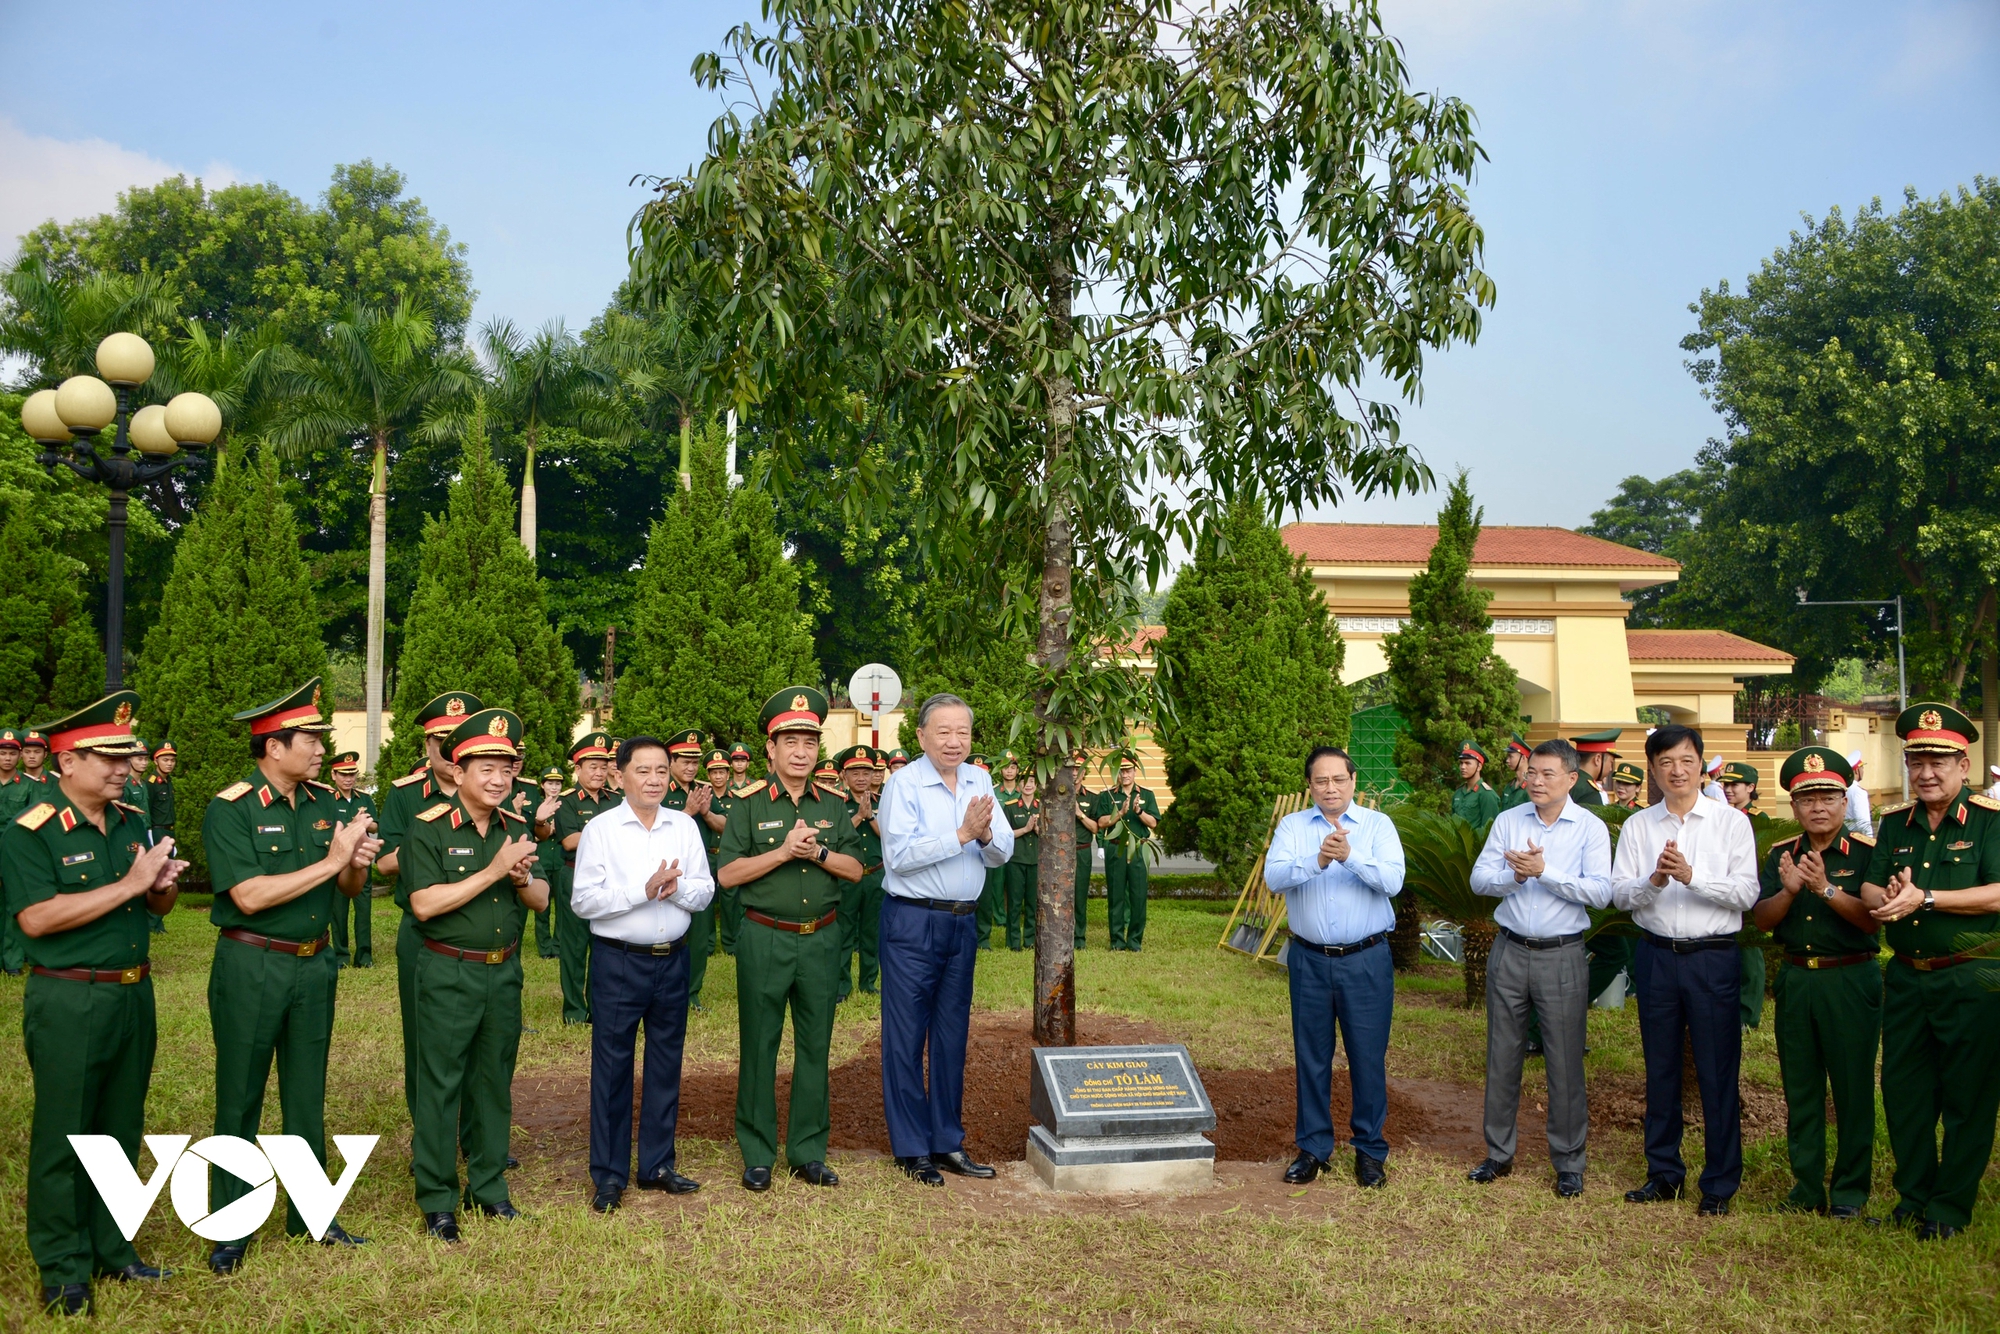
{"type": "Point", "coordinates": [81, 407]}
{"type": "Point", "coordinates": [1902, 674]}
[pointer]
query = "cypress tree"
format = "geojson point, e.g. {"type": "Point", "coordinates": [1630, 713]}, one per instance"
{"type": "Point", "coordinates": [1250, 667]}
{"type": "Point", "coordinates": [479, 620]}
{"type": "Point", "coordinates": [717, 627]}
{"type": "Point", "coordinates": [1447, 681]}
{"type": "Point", "coordinates": [50, 660]}
{"type": "Point", "coordinates": [239, 626]}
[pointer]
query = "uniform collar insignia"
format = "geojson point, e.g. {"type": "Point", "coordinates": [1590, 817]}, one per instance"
{"type": "Point", "coordinates": [457, 817]}
{"type": "Point", "coordinates": [1959, 814]}
{"type": "Point", "coordinates": [264, 794]}
{"type": "Point", "coordinates": [1843, 847]}
{"type": "Point", "coordinates": [68, 818]}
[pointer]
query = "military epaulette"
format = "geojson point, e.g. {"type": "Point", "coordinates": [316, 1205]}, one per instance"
{"type": "Point", "coordinates": [407, 779]}
{"type": "Point", "coordinates": [314, 782]}
{"type": "Point", "coordinates": [567, 792]}
{"type": "Point", "coordinates": [1865, 840]}
{"type": "Point", "coordinates": [35, 816]}
{"type": "Point", "coordinates": [506, 814]}
{"type": "Point", "coordinates": [1893, 810]}
{"type": "Point", "coordinates": [1982, 800]}
{"type": "Point", "coordinates": [434, 812]}
{"type": "Point", "coordinates": [129, 807]}
{"type": "Point", "coordinates": [234, 792]}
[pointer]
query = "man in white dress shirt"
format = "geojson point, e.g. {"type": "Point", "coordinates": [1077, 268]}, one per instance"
{"type": "Point", "coordinates": [641, 875]}
{"type": "Point", "coordinates": [940, 836]}
{"type": "Point", "coordinates": [1338, 865]}
{"type": "Point", "coordinates": [1549, 862]}
{"type": "Point", "coordinates": [1686, 869]}
{"type": "Point", "coordinates": [1860, 819]}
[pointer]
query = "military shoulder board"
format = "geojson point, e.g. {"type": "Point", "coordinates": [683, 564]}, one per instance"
{"type": "Point", "coordinates": [567, 792]}
{"type": "Point", "coordinates": [506, 814]}
{"type": "Point", "coordinates": [128, 806]}
{"type": "Point", "coordinates": [1862, 839]}
{"type": "Point", "coordinates": [1981, 799]}
{"type": "Point", "coordinates": [407, 779]}
{"type": "Point", "coordinates": [314, 782]}
{"type": "Point", "coordinates": [1888, 811]}
{"type": "Point", "coordinates": [35, 816]}
{"type": "Point", "coordinates": [234, 792]}
{"type": "Point", "coordinates": [434, 812]}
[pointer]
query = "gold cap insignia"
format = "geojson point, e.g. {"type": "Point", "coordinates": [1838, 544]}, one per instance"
{"type": "Point", "coordinates": [455, 706]}
{"type": "Point", "coordinates": [315, 697]}
{"type": "Point", "coordinates": [498, 727]}
{"type": "Point", "coordinates": [1813, 764]}
{"type": "Point", "coordinates": [1931, 720]}
{"type": "Point", "coordinates": [123, 714]}
{"type": "Point", "coordinates": [801, 702]}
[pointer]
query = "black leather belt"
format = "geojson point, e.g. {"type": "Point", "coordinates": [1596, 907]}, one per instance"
{"type": "Point", "coordinates": [1542, 942]}
{"type": "Point", "coordinates": [1339, 951]}
{"type": "Point", "coordinates": [657, 951]}
{"type": "Point", "coordinates": [1688, 944]}
{"type": "Point", "coordinates": [1827, 960]}
{"type": "Point", "coordinates": [956, 907]}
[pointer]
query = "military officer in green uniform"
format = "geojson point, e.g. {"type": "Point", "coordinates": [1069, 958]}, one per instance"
{"type": "Point", "coordinates": [1934, 878]}
{"type": "Point", "coordinates": [861, 900]}
{"type": "Point", "coordinates": [35, 756]}
{"type": "Point", "coordinates": [1024, 816]}
{"type": "Point", "coordinates": [137, 794]}
{"type": "Point", "coordinates": [348, 802]}
{"type": "Point", "coordinates": [1516, 760]}
{"type": "Point", "coordinates": [549, 851]}
{"type": "Point", "coordinates": [1474, 800]}
{"type": "Point", "coordinates": [278, 855]}
{"type": "Point", "coordinates": [1739, 789]}
{"type": "Point", "coordinates": [80, 878]}
{"type": "Point", "coordinates": [1739, 786]}
{"type": "Point", "coordinates": [896, 759]}
{"type": "Point", "coordinates": [710, 919]}
{"type": "Point", "coordinates": [16, 788]}
{"type": "Point", "coordinates": [1595, 750]}
{"type": "Point", "coordinates": [689, 793]}
{"type": "Point", "coordinates": [992, 895]}
{"type": "Point", "coordinates": [1126, 816]}
{"type": "Point", "coordinates": [1628, 785]}
{"type": "Point", "coordinates": [1086, 838]}
{"type": "Point", "coordinates": [1830, 988]}
{"type": "Point", "coordinates": [590, 760]}
{"type": "Point", "coordinates": [788, 848]}
{"type": "Point", "coordinates": [468, 870]}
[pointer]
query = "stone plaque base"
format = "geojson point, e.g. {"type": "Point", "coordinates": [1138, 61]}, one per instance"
{"type": "Point", "coordinates": [1121, 1162]}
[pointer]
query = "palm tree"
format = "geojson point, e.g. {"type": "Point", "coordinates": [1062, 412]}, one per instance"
{"type": "Point", "coordinates": [238, 370]}
{"type": "Point", "coordinates": [662, 362]}
{"type": "Point", "coordinates": [380, 377]}
{"type": "Point", "coordinates": [549, 379]}
{"type": "Point", "coordinates": [1438, 853]}
{"type": "Point", "coordinates": [57, 322]}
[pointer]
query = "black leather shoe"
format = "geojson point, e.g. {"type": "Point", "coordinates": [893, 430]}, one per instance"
{"type": "Point", "coordinates": [961, 1164]}
{"type": "Point", "coordinates": [1305, 1169]}
{"type": "Point", "coordinates": [1713, 1206]}
{"type": "Point", "coordinates": [443, 1226]}
{"type": "Point", "coordinates": [504, 1211]}
{"type": "Point", "coordinates": [138, 1272]}
{"type": "Point", "coordinates": [756, 1178]}
{"type": "Point", "coordinates": [1655, 1190]}
{"type": "Point", "coordinates": [1933, 1231]}
{"type": "Point", "coordinates": [512, 1163]}
{"type": "Point", "coordinates": [1844, 1213]}
{"type": "Point", "coordinates": [606, 1199]}
{"type": "Point", "coordinates": [816, 1174]}
{"type": "Point", "coordinates": [1569, 1185]}
{"type": "Point", "coordinates": [670, 1181]}
{"type": "Point", "coordinates": [1369, 1172]}
{"type": "Point", "coordinates": [226, 1258]}
{"type": "Point", "coordinates": [69, 1299]}
{"type": "Point", "coordinates": [921, 1170]}
{"type": "Point", "coordinates": [1489, 1170]}
{"type": "Point", "coordinates": [336, 1235]}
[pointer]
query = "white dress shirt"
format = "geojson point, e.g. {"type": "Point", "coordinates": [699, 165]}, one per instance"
{"type": "Point", "coordinates": [617, 855]}
{"type": "Point", "coordinates": [1717, 842]}
{"type": "Point", "coordinates": [1860, 820]}
{"type": "Point", "coordinates": [1347, 901]}
{"type": "Point", "coordinates": [919, 819]}
{"type": "Point", "coordinates": [1576, 870]}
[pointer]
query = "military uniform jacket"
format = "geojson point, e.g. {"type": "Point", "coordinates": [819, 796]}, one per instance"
{"type": "Point", "coordinates": [579, 808]}
{"type": "Point", "coordinates": [160, 799]}
{"type": "Point", "coordinates": [1812, 926]}
{"type": "Point", "coordinates": [1477, 807]}
{"type": "Point", "coordinates": [249, 831]}
{"type": "Point", "coordinates": [797, 891]}
{"type": "Point", "coordinates": [1583, 792]}
{"type": "Point", "coordinates": [1511, 796]}
{"type": "Point", "coordinates": [345, 808]}
{"type": "Point", "coordinates": [22, 793]}
{"type": "Point", "coordinates": [51, 849]}
{"type": "Point", "coordinates": [444, 847]}
{"type": "Point", "coordinates": [719, 803]}
{"type": "Point", "coordinates": [867, 838]}
{"type": "Point", "coordinates": [1111, 801]}
{"type": "Point", "coordinates": [406, 796]}
{"type": "Point", "coordinates": [1027, 847]}
{"type": "Point", "coordinates": [1962, 853]}
{"type": "Point", "coordinates": [135, 795]}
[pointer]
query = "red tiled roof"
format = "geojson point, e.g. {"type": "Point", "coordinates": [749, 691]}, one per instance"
{"type": "Point", "coordinates": [1410, 544]}
{"type": "Point", "coordinates": [1140, 645]}
{"type": "Point", "coordinates": [1698, 646]}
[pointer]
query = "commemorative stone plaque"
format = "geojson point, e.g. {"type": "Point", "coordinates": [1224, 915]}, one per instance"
{"type": "Point", "coordinates": [1119, 1118]}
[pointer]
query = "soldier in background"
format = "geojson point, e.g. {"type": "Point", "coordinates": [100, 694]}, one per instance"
{"type": "Point", "coordinates": [861, 900]}
{"type": "Point", "coordinates": [1126, 806]}
{"type": "Point", "coordinates": [350, 801]}
{"type": "Point", "coordinates": [1516, 760]}
{"type": "Point", "coordinates": [17, 793]}
{"type": "Point", "coordinates": [1592, 780]}
{"type": "Point", "coordinates": [550, 863]}
{"type": "Point", "coordinates": [1024, 816]}
{"type": "Point", "coordinates": [1086, 839]}
{"type": "Point", "coordinates": [35, 757]}
{"type": "Point", "coordinates": [1739, 786]}
{"type": "Point", "coordinates": [1628, 785]}
{"type": "Point", "coordinates": [590, 759]}
{"type": "Point", "coordinates": [1474, 800]}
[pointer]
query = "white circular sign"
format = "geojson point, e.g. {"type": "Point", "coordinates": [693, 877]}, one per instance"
{"type": "Point", "coordinates": [875, 680]}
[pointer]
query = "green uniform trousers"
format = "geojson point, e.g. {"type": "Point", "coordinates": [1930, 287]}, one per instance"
{"type": "Point", "coordinates": [545, 932]}
{"type": "Point", "coordinates": [467, 1035]}
{"type": "Point", "coordinates": [860, 932]}
{"type": "Point", "coordinates": [776, 969]}
{"type": "Point", "coordinates": [267, 1007]}
{"type": "Point", "coordinates": [1082, 891]}
{"type": "Point", "coordinates": [701, 944]}
{"type": "Point", "coordinates": [363, 910]}
{"type": "Point", "coordinates": [1827, 1023]}
{"type": "Point", "coordinates": [13, 945]}
{"type": "Point", "coordinates": [992, 904]}
{"type": "Point", "coordinates": [1023, 903]}
{"type": "Point", "coordinates": [572, 953]}
{"type": "Point", "coordinates": [1125, 898]}
{"type": "Point", "coordinates": [1940, 1062]}
{"type": "Point", "coordinates": [90, 1046]}
{"type": "Point", "coordinates": [1750, 995]}
{"type": "Point", "coordinates": [728, 918]}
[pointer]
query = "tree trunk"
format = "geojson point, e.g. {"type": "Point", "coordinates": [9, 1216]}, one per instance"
{"type": "Point", "coordinates": [378, 580]}
{"type": "Point", "coordinates": [687, 473]}
{"type": "Point", "coordinates": [1406, 941]}
{"type": "Point", "coordinates": [528, 498]}
{"type": "Point", "coordinates": [1478, 937]}
{"type": "Point", "coordinates": [1989, 705]}
{"type": "Point", "coordinates": [1055, 876]}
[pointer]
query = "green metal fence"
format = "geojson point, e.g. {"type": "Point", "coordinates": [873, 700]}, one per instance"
{"type": "Point", "coordinates": [1373, 746]}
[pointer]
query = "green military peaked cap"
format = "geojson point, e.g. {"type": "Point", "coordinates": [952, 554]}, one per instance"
{"type": "Point", "coordinates": [1471, 748]}
{"type": "Point", "coordinates": [689, 742]}
{"type": "Point", "coordinates": [1736, 771]}
{"type": "Point", "coordinates": [794, 709]}
{"type": "Point", "coordinates": [590, 746]}
{"type": "Point", "coordinates": [485, 732]}
{"type": "Point", "coordinates": [104, 727]}
{"type": "Point", "coordinates": [717, 759]}
{"type": "Point", "coordinates": [1628, 772]}
{"type": "Point", "coordinates": [552, 774]}
{"type": "Point", "coordinates": [898, 757]}
{"type": "Point", "coordinates": [347, 762]}
{"type": "Point", "coordinates": [1815, 769]}
{"type": "Point", "coordinates": [826, 770]}
{"type": "Point", "coordinates": [1931, 728]}
{"type": "Point", "coordinates": [856, 757]}
{"type": "Point", "coordinates": [447, 711]}
{"type": "Point", "coordinates": [9, 738]}
{"type": "Point", "coordinates": [1597, 743]}
{"type": "Point", "coordinates": [981, 761]}
{"type": "Point", "coordinates": [296, 712]}
{"type": "Point", "coordinates": [1515, 741]}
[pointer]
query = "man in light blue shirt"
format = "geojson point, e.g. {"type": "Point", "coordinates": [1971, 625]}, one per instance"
{"type": "Point", "coordinates": [939, 837]}
{"type": "Point", "coordinates": [1549, 863]}
{"type": "Point", "coordinates": [1338, 866]}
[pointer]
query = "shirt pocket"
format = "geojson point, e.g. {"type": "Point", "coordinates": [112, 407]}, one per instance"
{"type": "Point", "coordinates": [273, 842]}
{"type": "Point", "coordinates": [76, 875]}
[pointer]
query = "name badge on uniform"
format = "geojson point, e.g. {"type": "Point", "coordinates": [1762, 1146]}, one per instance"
{"type": "Point", "coordinates": [459, 852]}
{"type": "Point", "coordinates": [770, 824]}
{"type": "Point", "coordinates": [270, 829]}
{"type": "Point", "coordinates": [76, 858]}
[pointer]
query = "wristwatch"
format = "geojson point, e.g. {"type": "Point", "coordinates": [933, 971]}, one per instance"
{"type": "Point", "coordinates": [1930, 898]}
{"type": "Point", "coordinates": [1827, 892]}
{"type": "Point", "coordinates": [821, 859]}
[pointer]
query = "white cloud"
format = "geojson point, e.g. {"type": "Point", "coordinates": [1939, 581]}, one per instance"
{"type": "Point", "coordinates": [43, 178]}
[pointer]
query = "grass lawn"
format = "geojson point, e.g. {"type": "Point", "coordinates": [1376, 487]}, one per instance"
{"type": "Point", "coordinates": [878, 1253]}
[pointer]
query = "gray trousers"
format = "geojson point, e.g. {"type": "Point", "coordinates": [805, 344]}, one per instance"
{"type": "Point", "coordinates": [1556, 984]}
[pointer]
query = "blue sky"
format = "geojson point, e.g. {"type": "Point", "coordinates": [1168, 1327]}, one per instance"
{"type": "Point", "coordinates": [1641, 150]}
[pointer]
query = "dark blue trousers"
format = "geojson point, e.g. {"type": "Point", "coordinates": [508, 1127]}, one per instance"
{"type": "Point", "coordinates": [927, 958]}
{"type": "Point", "coordinates": [1696, 996]}
{"type": "Point", "coordinates": [627, 990]}
{"type": "Point", "coordinates": [1358, 993]}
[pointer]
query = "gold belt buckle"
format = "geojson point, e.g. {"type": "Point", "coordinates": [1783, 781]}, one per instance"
{"type": "Point", "coordinates": [308, 949]}
{"type": "Point", "coordinates": [496, 956]}
{"type": "Point", "coordinates": [1921, 965]}
{"type": "Point", "coordinates": [131, 975]}
{"type": "Point", "coordinates": [807, 928]}
{"type": "Point", "coordinates": [1812, 961]}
